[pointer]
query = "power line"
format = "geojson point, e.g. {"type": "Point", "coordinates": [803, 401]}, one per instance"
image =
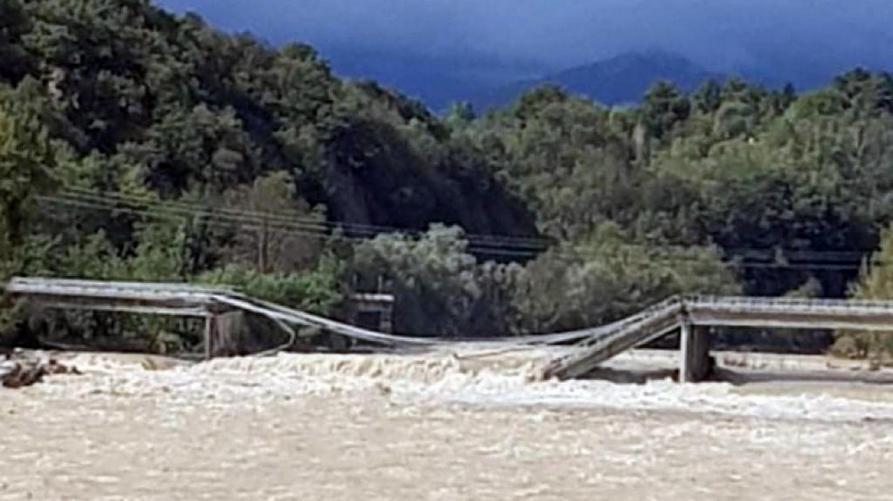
{"type": "Point", "coordinates": [187, 211]}
{"type": "Point", "coordinates": [216, 219]}
{"type": "Point", "coordinates": [488, 240]}
{"type": "Point", "coordinates": [254, 223]}
{"type": "Point", "coordinates": [228, 221]}
{"type": "Point", "coordinates": [292, 219]}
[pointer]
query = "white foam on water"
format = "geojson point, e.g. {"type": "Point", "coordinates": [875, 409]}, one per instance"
{"type": "Point", "coordinates": [465, 377]}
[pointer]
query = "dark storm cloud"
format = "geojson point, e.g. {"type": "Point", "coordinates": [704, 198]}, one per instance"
{"type": "Point", "coordinates": [721, 33]}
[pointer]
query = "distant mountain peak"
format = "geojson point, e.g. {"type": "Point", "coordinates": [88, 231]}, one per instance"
{"type": "Point", "coordinates": [620, 79]}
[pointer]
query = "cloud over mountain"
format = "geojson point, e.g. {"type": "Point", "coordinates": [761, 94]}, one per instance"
{"type": "Point", "coordinates": [569, 32]}
{"type": "Point", "coordinates": [804, 41]}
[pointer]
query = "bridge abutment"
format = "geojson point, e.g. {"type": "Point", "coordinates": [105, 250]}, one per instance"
{"type": "Point", "coordinates": [694, 353]}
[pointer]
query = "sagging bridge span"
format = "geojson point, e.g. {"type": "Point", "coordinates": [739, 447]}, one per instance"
{"type": "Point", "coordinates": [691, 316]}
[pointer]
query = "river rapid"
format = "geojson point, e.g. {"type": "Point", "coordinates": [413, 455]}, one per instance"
{"type": "Point", "coordinates": [456, 424]}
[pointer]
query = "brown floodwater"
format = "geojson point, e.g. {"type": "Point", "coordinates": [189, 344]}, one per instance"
{"type": "Point", "coordinates": [435, 426]}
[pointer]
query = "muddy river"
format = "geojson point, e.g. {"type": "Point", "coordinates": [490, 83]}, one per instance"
{"type": "Point", "coordinates": [436, 426]}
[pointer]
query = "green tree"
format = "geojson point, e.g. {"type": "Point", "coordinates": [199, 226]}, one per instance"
{"type": "Point", "coordinates": [26, 167]}
{"type": "Point", "coordinates": [439, 286]}
{"type": "Point", "coordinates": [460, 115]}
{"type": "Point", "coordinates": [608, 276]}
{"type": "Point", "coordinates": [664, 106]}
{"type": "Point", "coordinates": [708, 97]}
{"type": "Point", "coordinates": [14, 23]}
{"type": "Point", "coordinates": [281, 230]}
{"type": "Point", "coordinates": [875, 283]}
{"type": "Point", "coordinates": [317, 290]}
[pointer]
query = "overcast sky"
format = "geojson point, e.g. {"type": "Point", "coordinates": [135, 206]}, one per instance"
{"type": "Point", "coordinates": [720, 33]}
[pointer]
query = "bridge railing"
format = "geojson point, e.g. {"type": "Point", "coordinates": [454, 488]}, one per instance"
{"type": "Point", "coordinates": [747, 311]}
{"type": "Point", "coordinates": [787, 302]}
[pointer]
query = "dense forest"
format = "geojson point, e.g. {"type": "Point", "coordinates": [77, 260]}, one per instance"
{"type": "Point", "coordinates": [135, 144]}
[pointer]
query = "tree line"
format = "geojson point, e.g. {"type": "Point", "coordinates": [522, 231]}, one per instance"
{"type": "Point", "coordinates": [136, 144]}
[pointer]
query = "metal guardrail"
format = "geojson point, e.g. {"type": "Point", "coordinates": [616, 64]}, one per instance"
{"type": "Point", "coordinates": [807, 303]}
{"type": "Point", "coordinates": [43, 284]}
{"type": "Point", "coordinates": [596, 344]}
{"type": "Point", "coordinates": [89, 289]}
{"type": "Point", "coordinates": [670, 314]}
{"type": "Point", "coordinates": [183, 300]}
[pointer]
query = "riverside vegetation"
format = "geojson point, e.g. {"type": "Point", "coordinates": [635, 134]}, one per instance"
{"type": "Point", "coordinates": [139, 145]}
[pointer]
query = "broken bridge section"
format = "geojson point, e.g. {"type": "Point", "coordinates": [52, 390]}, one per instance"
{"type": "Point", "coordinates": [221, 308]}
{"type": "Point", "coordinates": [218, 306]}
{"type": "Point", "coordinates": [693, 316]}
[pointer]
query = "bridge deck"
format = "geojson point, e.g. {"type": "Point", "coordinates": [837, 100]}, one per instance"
{"type": "Point", "coordinates": [705, 311]}
{"type": "Point", "coordinates": [135, 297]}
{"type": "Point", "coordinates": [183, 300]}
{"type": "Point", "coordinates": [596, 345]}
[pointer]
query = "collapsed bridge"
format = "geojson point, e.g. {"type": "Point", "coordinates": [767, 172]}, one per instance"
{"type": "Point", "coordinates": [691, 316]}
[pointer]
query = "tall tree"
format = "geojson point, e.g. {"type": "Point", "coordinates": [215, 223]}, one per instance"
{"type": "Point", "coordinates": [664, 106]}
{"type": "Point", "coordinates": [283, 234]}
{"type": "Point", "coordinates": [26, 165]}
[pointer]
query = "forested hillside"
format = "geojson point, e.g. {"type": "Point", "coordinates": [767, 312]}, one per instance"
{"type": "Point", "coordinates": [139, 145]}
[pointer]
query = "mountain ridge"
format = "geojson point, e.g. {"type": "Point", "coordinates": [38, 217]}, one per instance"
{"type": "Point", "coordinates": [618, 80]}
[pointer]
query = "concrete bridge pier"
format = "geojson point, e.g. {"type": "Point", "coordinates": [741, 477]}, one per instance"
{"type": "Point", "coordinates": [694, 353]}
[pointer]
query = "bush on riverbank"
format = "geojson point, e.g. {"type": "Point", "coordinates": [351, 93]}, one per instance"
{"type": "Point", "coordinates": [875, 282]}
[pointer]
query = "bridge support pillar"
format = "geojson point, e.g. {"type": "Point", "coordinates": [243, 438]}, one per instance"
{"type": "Point", "coordinates": [694, 353]}
{"type": "Point", "coordinates": [225, 335]}
{"type": "Point", "coordinates": [210, 334]}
